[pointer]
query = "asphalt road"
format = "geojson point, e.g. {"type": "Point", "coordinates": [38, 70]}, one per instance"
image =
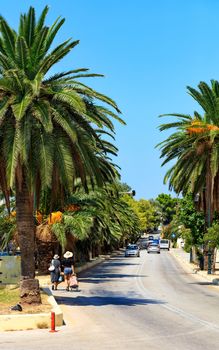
{"type": "Point", "coordinates": [132, 303]}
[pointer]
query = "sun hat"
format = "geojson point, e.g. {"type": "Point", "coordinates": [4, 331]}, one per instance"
{"type": "Point", "coordinates": [56, 256]}
{"type": "Point", "coordinates": [68, 255]}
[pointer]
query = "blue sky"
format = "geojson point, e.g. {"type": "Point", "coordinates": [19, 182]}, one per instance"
{"type": "Point", "coordinates": [149, 51]}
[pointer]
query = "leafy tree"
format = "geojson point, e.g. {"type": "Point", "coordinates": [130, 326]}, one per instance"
{"type": "Point", "coordinates": [191, 219]}
{"type": "Point", "coordinates": [147, 215]}
{"type": "Point", "coordinates": [7, 230]}
{"type": "Point", "coordinates": [122, 187]}
{"type": "Point", "coordinates": [51, 128]}
{"type": "Point", "coordinates": [211, 239]}
{"type": "Point", "coordinates": [7, 224]}
{"type": "Point", "coordinates": [212, 235]}
{"type": "Point", "coordinates": [166, 207]}
{"type": "Point", "coordinates": [145, 211]}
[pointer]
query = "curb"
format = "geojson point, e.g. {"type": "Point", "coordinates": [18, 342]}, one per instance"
{"type": "Point", "coordinates": [192, 268]}
{"type": "Point", "coordinates": [32, 321]}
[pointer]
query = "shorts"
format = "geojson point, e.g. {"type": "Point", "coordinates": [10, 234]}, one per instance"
{"type": "Point", "coordinates": [67, 271]}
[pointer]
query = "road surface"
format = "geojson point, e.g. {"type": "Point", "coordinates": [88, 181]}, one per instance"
{"type": "Point", "coordinates": [132, 303]}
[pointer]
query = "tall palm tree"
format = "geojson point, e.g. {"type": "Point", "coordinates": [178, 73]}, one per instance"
{"type": "Point", "coordinates": [195, 147]}
{"type": "Point", "coordinates": [47, 127]}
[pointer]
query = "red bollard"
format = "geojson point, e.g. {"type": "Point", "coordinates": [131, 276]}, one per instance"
{"type": "Point", "coordinates": [53, 324]}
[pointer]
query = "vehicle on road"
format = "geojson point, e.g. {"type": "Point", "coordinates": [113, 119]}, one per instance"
{"type": "Point", "coordinates": [149, 242]}
{"type": "Point", "coordinates": [164, 244]}
{"type": "Point", "coordinates": [156, 240]}
{"type": "Point", "coordinates": [153, 248]}
{"type": "Point", "coordinates": [142, 243]}
{"type": "Point", "coordinates": [132, 250]}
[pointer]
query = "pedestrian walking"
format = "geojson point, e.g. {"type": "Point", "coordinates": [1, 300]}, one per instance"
{"type": "Point", "coordinates": [68, 266]}
{"type": "Point", "coordinates": [55, 270]}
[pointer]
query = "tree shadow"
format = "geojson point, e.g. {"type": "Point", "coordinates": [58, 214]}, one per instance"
{"type": "Point", "coordinates": [202, 283]}
{"type": "Point", "coordinates": [104, 301]}
{"type": "Point", "coordinates": [121, 263]}
{"type": "Point", "coordinates": [107, 277]}
{"type": "Point", "coordinates": [112, 262]}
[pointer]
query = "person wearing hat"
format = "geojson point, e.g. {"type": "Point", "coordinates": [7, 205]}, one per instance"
{"type": "Point", "coordinates": [68, 265]}
{"type": "Point", "coordinates": [55, 269]}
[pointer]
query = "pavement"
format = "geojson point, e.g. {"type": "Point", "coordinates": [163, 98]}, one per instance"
{"type": "Point", "coordinates": [183, 258]}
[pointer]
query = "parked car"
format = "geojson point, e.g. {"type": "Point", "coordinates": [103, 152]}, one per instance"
{"type": "Point", "coordinates": [132, 250]}
{"type": "Point", "coordinates": [153, 248]}
{"type": "Point", "coordinates": [164, 244]}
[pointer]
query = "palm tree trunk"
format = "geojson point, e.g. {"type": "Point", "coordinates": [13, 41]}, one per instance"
{"type": "Point", "coordinates": [208, 192]}
{"type": "Point", "coordinates": [29, 286]}
{"type": "Point", "coordinates": [208, 206]}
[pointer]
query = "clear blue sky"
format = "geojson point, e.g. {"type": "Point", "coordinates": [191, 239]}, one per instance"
{"type": "Point", "coordinates": [149, 51]}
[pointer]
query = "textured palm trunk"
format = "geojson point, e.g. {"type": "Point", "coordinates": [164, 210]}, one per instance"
{"type": "Point", "coordinates": [216, 193]}
{"type": "Point", "coordinates": [209, 206]}
{"type": "Point", "coordinates": [45, 252]}
{"type": "Point", "coordinates": [29, 286]}
{"type": "Point", "coordinates": [209, 195]}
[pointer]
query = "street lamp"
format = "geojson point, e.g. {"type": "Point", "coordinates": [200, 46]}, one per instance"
{"type": "Point", "coordinates": [130, 193]}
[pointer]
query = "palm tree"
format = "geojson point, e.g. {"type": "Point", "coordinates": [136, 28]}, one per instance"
{"type": "Point", "coordinates": [103, 218]}
{"type": "Point", "coordinates": [195, 148]}
{"type": "Point", "coordinates": [47, 128]}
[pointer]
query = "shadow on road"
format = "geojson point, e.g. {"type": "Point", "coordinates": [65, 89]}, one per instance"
{"type": "Point", "coordinates": [103, 301]}
{"type": "Point", "coordinates": [202, 283]}
{"type": "Point", "coordinates": [106, 277]}
{"type": "Point", "coordinates": [121, 263]}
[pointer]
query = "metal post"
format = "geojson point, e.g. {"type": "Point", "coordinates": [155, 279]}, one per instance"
{"type": "Point", "coordinates": [53, 324]}
{"type": "Point", "coordinates": [190, 256]}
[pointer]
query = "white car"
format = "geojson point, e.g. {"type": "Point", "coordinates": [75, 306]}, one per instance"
{"type": "Point", "coordinates": [164, 244]}
{"type": "Point", "coordinates": [132, 250]}
{"type": "Point", "coordinates": [153, 248]}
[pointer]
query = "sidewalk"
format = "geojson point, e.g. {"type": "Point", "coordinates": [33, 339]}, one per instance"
{"type": "Point", "coordinates": [183, 258]}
